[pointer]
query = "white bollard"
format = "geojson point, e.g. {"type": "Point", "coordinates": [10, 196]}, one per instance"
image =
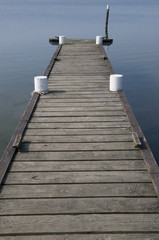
{"type": "Point", "coordinates": [41, 84]}
{"type": "Point", "coordinates": [115, 82]}
{"type": "Point", "coordinates": [99, 40]}
{"type": "Point", "coordinates": [62, 39]}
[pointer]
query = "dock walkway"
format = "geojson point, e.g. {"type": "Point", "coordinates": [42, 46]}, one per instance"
{"type": "Point", "coordinates": [78, 174]}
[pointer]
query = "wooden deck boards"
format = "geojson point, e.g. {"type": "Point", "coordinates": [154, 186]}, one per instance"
{"type": "Point", "coordinates": [78, 174]}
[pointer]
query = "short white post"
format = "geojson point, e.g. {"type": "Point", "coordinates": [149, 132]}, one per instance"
{"type": "Point", "coordinates": [41, 84]}
{"type": "Point", "coordinates": [99, 39]}
{"type": "Point", "coordinates": [116, 82]}
{"type": "Point", "coordinates": [62, 39]}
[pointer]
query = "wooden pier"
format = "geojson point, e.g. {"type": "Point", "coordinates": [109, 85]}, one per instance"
{"type": "Point", "coordinates": [78, 174]}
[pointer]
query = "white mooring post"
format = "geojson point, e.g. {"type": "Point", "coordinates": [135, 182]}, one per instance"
{"type": "Point", "coordinates": [116, 82]}
{"type": "Point", "coordinates": [62, 39]}
{"type": "Point", "coordinates": [41, 84]}
{"type": "Point", "coordinates": [99, 40]}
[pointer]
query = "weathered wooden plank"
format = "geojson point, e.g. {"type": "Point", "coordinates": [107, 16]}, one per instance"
{"type": "Point", "coordinates": [81, 93]}
{"type": "Point", "coordinates": [77, 131]}
{"type": "Point", "coordinates": [77, 177]}
{"type": "Point", "coordinates": [41, 166]}
{"type": "Point", "coordinates": [78, 206]}
{"type": "Point", "coordinates": [85, 92]}
{"type": "Point", "coordinates": [80, 50]}
{"type": "Point", "coordinates": [81, 72]}
{"type": "Point", "coordinates": [79, 53]}
{"type": "Point", "coordinates": [86, 236]}
{"type": "Point", "coordinates": [83, 125]}
{"type": "Point", "coordinates": [79, 155]}
{"type": "Point", "coordinates": [74, 77]}
{"type": "Point", "coordinates": [86, 138]}
{"type": "Point", "coordinates": [88, 60]}
{"type": "Point", "coordinates": [78, 79]}
{"type": "Point", "coordinates": [78, 86]}
{"type": "Point", "coordinates": [80, 223]}
{"type": "Point", "coordinates": [78, 190]}
{"type": "Point", "coordinates": [83, 109]}
{"type": "Point", "coordinates": [79, 66]}
{"type": "Point", "coordinates": [77, 146]}
{"type": "Point", "coordinates": [78, 119]}
{"type": "Point", "coordinates": [81, 100]}
{"type": "Point", "coordinates": [92, 87]}
{"type": "Point", "coordinates": [84, 79]}
{"type": "Point", "coordinates": [78, 114]}
{"type": "Point", "coordinates": [77, 76]}
{"type": "Point", "coordinates": [90, 73]}
{"type": "Point", "coordinates": [77, 95]}
{"type": "Point", "coordinates": [79, 83]}
{"type": "Point", "coordinates": [58, 105]}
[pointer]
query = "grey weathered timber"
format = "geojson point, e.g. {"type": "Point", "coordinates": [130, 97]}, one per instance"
{"type": "Point", "coordinates": [45, 166]}
{"type": "Point", "coordinates": [79, 190]}
{"type": "Point", "coordinates": [79, 109]}
{"type": "Point", "coordinates": [78, 119]}
{"type": "Point", "coordinates": [86, 236]}
{"type": "Point", "coordinates": [86, 138]}
{"type": "Point", "coordinates": [79, 223]}
{"type": "Point", "coordinates": [78, 205]}
{"type": "Point", "coordinates": [89, 104]}
{"type": "Point", "coordinates": [77, 173]}
{"type": "Point", "coordinates": [77, 114]}
{"type": "Point", "coordinates": [77, 146]}
{"type": "Point", "coordinates": [80, 100]}
{"type": "Point", "coordinates": [79, 155]}
{"type": "Point", "coordinates": [77, 177]}
{"type": "Point", "coordinates": [77, 131]}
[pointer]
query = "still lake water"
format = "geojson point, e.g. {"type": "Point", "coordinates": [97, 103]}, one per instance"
{"type": "Point", "coordinates": [25, 52]}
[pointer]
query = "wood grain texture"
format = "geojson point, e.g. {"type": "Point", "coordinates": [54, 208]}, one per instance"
{"type": "Point", "coordinates": [77, 174]}
{"type": "Point", "coordinates": [78, 131]}
{"type": "Point", "coordinates": [79, 139]}
{"type": "Point", "coordinates": [44, 147]}
{"type": "Point", "coordinates": [45, 166]}
{"type": "Point", "coordinates": [74, 125]}
{"type": "Point", "coordinates": [99, 236]}
{"type": "Point", "coordinates": [78, 114]}
{"type": "Point", "coordinates": [80, 155]}
{"type": "Point", "coordinates": [80, 223]}
{"type": "Point", "coordinates": [77, 177]}
{"type": "Point", "coordinates": [77, 109]}
{"type": "Point", "coordinates": [79, 190]}
{"type": "Point", "coordinates": [78, 119]}
{"type": "Point", "coordinates": [78, 205]}
{"type": "Point", "coordinates": [89, 104]}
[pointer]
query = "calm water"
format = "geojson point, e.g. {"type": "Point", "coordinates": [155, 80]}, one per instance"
{"type": "Point", "coordinates": [25, 52]}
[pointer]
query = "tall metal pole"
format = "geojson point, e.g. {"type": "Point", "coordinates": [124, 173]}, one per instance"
{"type": "Point", "coordinates": [106, 25]}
